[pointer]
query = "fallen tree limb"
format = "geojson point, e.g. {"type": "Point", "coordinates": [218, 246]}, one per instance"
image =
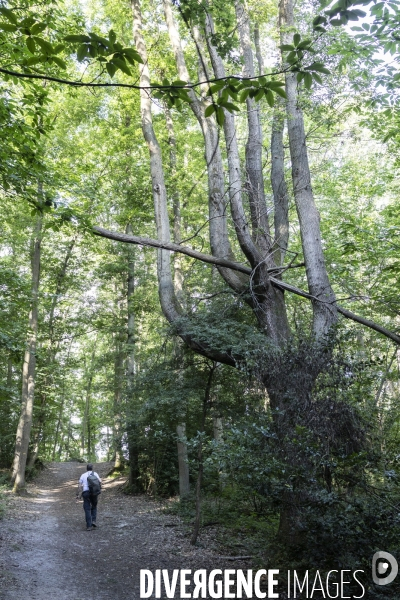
{"type": "Point", "coordinates": [221, 262]}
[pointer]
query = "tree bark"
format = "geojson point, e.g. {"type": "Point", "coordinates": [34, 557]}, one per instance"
{"type": "Point", "coordinates": [119, 378]}
{"type": "Point", "coordinates": [176, 204]}
{"type": "Point", "coordinates": [50, 357]}
{"type": "Point", "coordinates": [132, 427]}
{"type": "Point", "coordinates": [28, 369]}
{"type": "Point", "coordinates": [218, 224]}
{"type": "Point", "coordinates": [254, 144]}
{"type": "Point", "coordinates": [168, 300]}
{"type": "Point", "coordinates": [325, 312]}
{"type": "Point", "coordinates": [183, 463]}
{"type": "Point", "coordinates": [86, 412]}
{"type": "Point", "coordinates": [279, 187]}
{"type": "Point", "coordinates": [206, 402]}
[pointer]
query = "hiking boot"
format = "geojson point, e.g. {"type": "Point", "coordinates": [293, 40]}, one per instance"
{"type": "Point", "coordinates": [94, 525]}
{"type": "Point", "coordinates": [89, 528]}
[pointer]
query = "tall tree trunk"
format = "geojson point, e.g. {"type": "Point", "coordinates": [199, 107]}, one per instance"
{"type": "Point", "coordinates": [119, 379]}
{"type": "Point", "coordinates": [266, 301]}
{"type": "Point", "coordinates": [132, 427]}
{"type": "Point", "coordinates": [168, 299]}
{"type": "Point", "coordinates": [206, 402]}
{"type": "Point", "coordinates": [183, 462]}
{"type": "Point", "coordinates": [69, 437]}
{"type": "Point", "coordinates": [28, 369]}
{"type": "Point", "coordinates": [50, 356]}
{"type": "Point", "coordinates": [176, 205]}
{"type": "Point", "coordinates": [278, 183]}
{"type": "Point", "coordinates": [279, 187]}
{"type": "Point", "coordinates": [86, 412]}
{"type": "Point", "coordinates": [218, 224]}
{"type": "Point", "coordinates": [324, 311]}
{"type": "Point", "coordinates": [218, 430]}
{"type": "Point", "coordinates": [254, 144]}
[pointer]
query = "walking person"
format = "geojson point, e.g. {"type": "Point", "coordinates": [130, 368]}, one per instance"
{"type": "Point", "coordinates": [89, 488]}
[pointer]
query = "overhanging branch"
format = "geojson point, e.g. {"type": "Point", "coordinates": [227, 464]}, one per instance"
{"type": "Point", "coordinates": [221, 262]}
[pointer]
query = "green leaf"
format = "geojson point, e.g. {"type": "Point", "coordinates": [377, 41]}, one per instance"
{"type": "Point", "coordinates": [34, 60]}
{"type": "Point", "coordinates": [98, 38]}
{"type": "Point", "coordinates": [307, 80]}
{"type": "Point", "coordinates": [46, 47]}
{"type": "Point", "coordinates": [320, 20]}
{"type": "Point", "coordinates": [220, 116]}
{"type": "Point", "coordinates": [92, 50]}
{"type": "Point", "coordinates": [77, 38]}
{"type": "Point", "coordinates": [179, 83]}
{"type": "Point", "coordinates": [81, 52]}
{"type": "Point", "coordinates": [111, 69]}
{"type": "Point", "coordinates": [59, 62]}
{"type": "Point", "coordinates": [8, 27]}
{"type": "Point", "coordinates": [317, 78]}
{"type": "Point", "coordinates": [30, 44]}
{"type": "Point", "coordinates": [232, 92]}
{"type": "Point", "coordinates": [300, 76]}
{"type": "Point", "coordinates": [270, 98]}
{"type": "Point", "coordinates": [389, 135]}
{"type": "Point", "coordinates": [132, 54]}
{"type": "Point", "coordinates": [359, 13]}
{"type": "Point", "coordinates": [215, 87]}
{"type": "Point", "coordinates": [38, 28]}
{"type": "Point", "coordinates": [209, 110]}
{"type": "Point", "coordinates": [275, 85]}
{"type": "Point", "coordinates": [304, 44]}
{"type": "Point", "coordinates": [9, 15]}
{"type": "Point", "coordinates": [112, 36]}
{"type": "Point", "coordinates": [286, 47]}
{"type": "Point", "coordinates": [244, 95]}
{"type": "Point", "coordinates": [281, 92]}
{"type": "Point", "coordinates": [183, 95]}
{"type": "Point", "coordinates": [57, 49]}
{"type": "Point", "coordinates": [121, 64]}
{"type": "Point", "coordinates": [259, 94]}
{"type": "Point", "coordinates": [316, 66]}
{"type": "Point", "coordinates": [351, 15]}
{"type": "Point", "coordinates": [296, 39]}
{"type": "Point", "coordinates": [27, 22]}
{"type": "Point", "coordinates": [231, 107]}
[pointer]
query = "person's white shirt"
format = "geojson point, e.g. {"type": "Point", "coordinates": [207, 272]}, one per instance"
{"type": "Point", "coordinates": [83, 480]}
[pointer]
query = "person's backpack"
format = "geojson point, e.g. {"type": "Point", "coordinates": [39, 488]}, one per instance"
{"type": "Point", "coordinates": [94, 484]}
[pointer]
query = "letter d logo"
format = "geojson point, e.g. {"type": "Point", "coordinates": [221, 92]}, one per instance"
{"type": "Point", "coordinates": [384, 568]}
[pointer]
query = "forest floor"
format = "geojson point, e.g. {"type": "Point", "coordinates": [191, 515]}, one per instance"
{"type": "Point", "coordinates": [46, 552]}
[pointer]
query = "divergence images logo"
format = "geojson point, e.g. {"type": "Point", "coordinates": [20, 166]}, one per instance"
{"type": "Point", "coordinates": [384, 568]}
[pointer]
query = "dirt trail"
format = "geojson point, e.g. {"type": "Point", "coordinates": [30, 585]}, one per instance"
{"type": "Point", "coordinates": [46, 552]}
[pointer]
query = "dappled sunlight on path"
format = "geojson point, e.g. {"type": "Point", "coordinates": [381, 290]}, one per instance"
{"type": "Point", "coordinates": [48, 554]}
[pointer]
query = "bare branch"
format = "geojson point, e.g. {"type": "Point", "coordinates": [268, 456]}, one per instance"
{"type": "Point", "coordinates": [212, 260]}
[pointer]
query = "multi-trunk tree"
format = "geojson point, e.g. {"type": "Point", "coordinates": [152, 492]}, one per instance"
{"type": "Point", "coordinates": [249, 250]}
{"type": "Point", "coordinates": [288, 377]}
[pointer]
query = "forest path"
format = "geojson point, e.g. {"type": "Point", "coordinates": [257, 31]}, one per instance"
{"type": "Point", "coordinates": [46, 552]}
